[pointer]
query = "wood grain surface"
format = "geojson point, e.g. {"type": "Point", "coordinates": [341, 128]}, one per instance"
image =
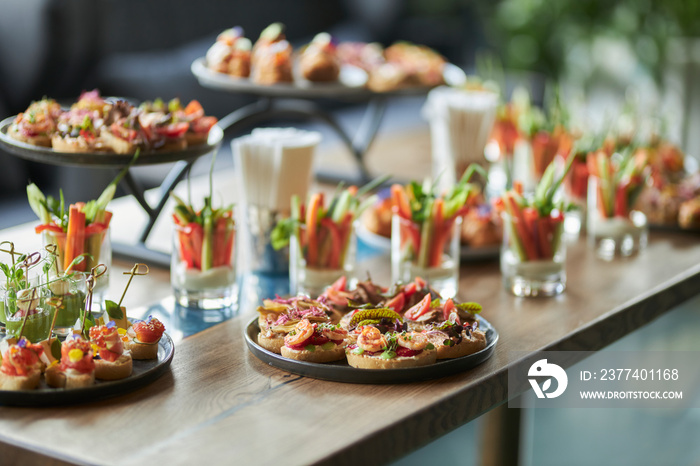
{"type": "Point", "coordinates": [221, 404]}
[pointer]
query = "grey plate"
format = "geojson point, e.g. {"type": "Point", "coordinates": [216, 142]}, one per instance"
{"type": "Point", "coordinates": [50, 156]}
{"type": "Point", "coordinates": [342, 372]}
{"type": "Point", "coordinates": [145, 372]}
{"type": "Point", "coordinates": [350, 84]}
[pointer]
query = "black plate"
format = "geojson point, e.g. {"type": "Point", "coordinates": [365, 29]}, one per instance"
{"type": "Point", "coordinates": [341, 372]}
{"type": "Point", "coordinates": [145, 372]}
{"type": "Point", "coordinates": [104, 159]}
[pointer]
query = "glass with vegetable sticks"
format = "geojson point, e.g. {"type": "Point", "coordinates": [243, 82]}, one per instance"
{"type": "Point", "coordinates": [203, 269]}
{"type": "Point", "coordinates": [426, 231]}
{"type": "Point", "coordinates": [615, 228]}
{"type": "Point", "coordinates": [321, 237]}
{"type": "Point", "coordinates": [533, 253]}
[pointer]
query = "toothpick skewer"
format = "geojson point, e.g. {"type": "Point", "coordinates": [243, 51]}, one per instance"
{"type": "Point", "coordinates": [56, 302]}
{"type": "Point", "coordinates": [90, 281]}
{"type": "Point", "coordinates": [26, 313]}
{"type": "Point", "coordinates": [135, 270]}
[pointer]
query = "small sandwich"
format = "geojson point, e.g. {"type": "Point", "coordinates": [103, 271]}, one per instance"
{"type": "Point", "coordinates": [200, 124]}
{"type": "Point", "coordinates": [391, 350]}
{"type": "Point", "coordinates": [230, 54]}
{"type": "Point", "coordinates": [454, 340]}
{"type": "Point", "coordinates": [271, 34]}
{"type": "Point", "coordinates": [430, 311]}
{"type": "Point", "coordinates": [423, 65]}
{"type": "Point", "coordinates": [78, 130]}
{"type": "Point", "coordinates": [315, 342]}
{"type": "Point", "coordinates": [160, 125]}
{"type": "Point", "coordinates": [111, 361]}
{"type": "Point", "coordinates": [21, 365]}
{"type": "Point", "coordinates": [122, 132]}
{"type": "Point", "coordinates": [319, 62]}
{"type": "Point", "coordinates": [278, 317]}
{"type": "Point", "coordinates": [77, 367]}
{"type": "Point", "coordinates": [36, 124]}
{"type": "Point", "coordinates": [143, 337]}
{"type": "Point", "coordinates": [273, 64]}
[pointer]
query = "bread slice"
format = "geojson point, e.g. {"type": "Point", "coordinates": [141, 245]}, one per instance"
{"type": "Point", "coordinates": [119, 369]}
{"type": "Point", "coordinates": [370, 361]}
{"type": "Point", "coordinates": [20, 382]}
{"type": "Point", "coordinates": [39, 140]}
{"type": "Point", "coordinates": [317, 355]}
{"type": "Point", "coordinates": [68, 144]}
{"type": "Point", "coordinates": [141, 350]}
{"type": "Point", "coordinates": [273, 343]}
{"type": "Point", "coordinates": [469, 345]}
{"type": "Point", "coordinates": [117, 144]}
{"type": "Point", "coordinates": [57, 378]}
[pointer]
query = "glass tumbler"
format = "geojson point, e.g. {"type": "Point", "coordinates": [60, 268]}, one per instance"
{"type": "Point", "coordinates": [26, 312]}
{"type": "Point", "coordinates": [310, 273]}
{"type": "Point", "coordinates": [202, 269]}
{"type": "Point", "coordinates": [421, 250]}
{"type": "Point", "coordinates": [613, 228]}
{"type": "Point", "coordinates": [99, 247]}
{"type": "Point", "coordinates": [533, 255]}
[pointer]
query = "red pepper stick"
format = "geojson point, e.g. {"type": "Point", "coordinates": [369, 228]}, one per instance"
{"type": "Point", "coordinates": [520, 226]}
{"type": "Point", "coordinates": [345, 232]}
{"type": "Point", "coordinates": [440, 233]}
{"type": "Point", "coordinates": [531, 222]}
{"type": "Point", "coordinates": [621, 207]}
{"type": "Point", "coordinates": [335, 242]}
{"type": "Point", "coordinates": [545, 231]}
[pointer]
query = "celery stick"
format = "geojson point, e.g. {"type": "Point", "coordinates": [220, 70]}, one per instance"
{"type": "Point", "coordinates": [426, 239]}
{"type": "Point", "coordinates": [37, 202]}
{"type": "Point", "coordinates": [341, 207]}
{"type": "Point", "coordinates": [208, 239]}
{"type": "Point", "coordinates": [517, 247]}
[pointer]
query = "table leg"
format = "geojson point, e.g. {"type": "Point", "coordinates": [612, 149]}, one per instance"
{"type": "Point", "coordinates": [501, 436]}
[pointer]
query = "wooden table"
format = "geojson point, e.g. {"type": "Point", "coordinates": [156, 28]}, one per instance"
{"type": "Point", "coordinates": [220, 404]}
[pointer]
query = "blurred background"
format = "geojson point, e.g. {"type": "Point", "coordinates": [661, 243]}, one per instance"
{"type": "Point", "coordinates": [601, 54]}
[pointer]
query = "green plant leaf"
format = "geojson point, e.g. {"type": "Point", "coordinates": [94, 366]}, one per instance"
{"type": "Point", "coordinates": [114, 311]}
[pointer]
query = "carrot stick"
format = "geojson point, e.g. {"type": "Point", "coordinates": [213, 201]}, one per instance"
{"type": "Point", "coordinates": [311, 228]}
{"type": "Point", "coordinates": [346, 232]}
{"type": "Point", "coordinates": [75, 237]}
{"type": "Point", "coordinates": [399, 201]}
{"type": "Point", "coordinates": [621, 207]}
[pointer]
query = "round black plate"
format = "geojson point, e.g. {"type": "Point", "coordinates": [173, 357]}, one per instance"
{"type": "Point", "coordinates": [342, 372]}
{"type": "Point", "coordinates": [145, 372]}
{"type": "Point", "coordinates": [104, 159]}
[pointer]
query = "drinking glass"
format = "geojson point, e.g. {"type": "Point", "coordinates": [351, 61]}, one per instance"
{"type": "Point", "coordinates": [419, 251]}
{"type": "Point", "coordinates": [533, 256]}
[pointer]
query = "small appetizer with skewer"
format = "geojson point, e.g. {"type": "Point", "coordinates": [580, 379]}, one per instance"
{"type": "Point", "coordinates": [21, 365]}
{"type": "Point", "coordinates": [77, 367]}
{"type": "Point", "coordinates": [319, 62]}
{"type": "Point", "coordinates": [142, 338]}
{"type": "Point", "coordinates": [111, 361]}
{"type": "Point", "coordinates": [273, 64]}
{"type": "Point", "coordinates": [315, 342]}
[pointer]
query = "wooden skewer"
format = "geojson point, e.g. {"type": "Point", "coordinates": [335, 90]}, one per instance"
{"type": "Point", "coordinates": [26, 314]}
{"type": "Point", "coordinates": [135, 270]}
{"type": "Point", "coordinates": [53, 250]}
{"type": "Point", "coordinates": [90, 281]}
{"type": "Point", "coordinates": [57, 303]}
